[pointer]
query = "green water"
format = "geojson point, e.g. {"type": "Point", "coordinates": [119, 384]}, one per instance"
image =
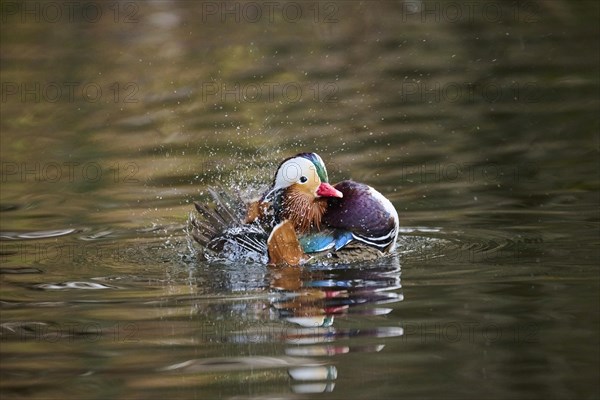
{"type": "Point", "coordinates": [478, 120]}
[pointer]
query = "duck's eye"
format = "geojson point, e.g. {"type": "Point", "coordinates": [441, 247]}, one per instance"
{"type": "Point", "coordinates": [303, 179]}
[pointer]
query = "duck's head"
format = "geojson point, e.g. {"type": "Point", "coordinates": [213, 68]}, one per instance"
{"type": "Point", "coordinates": [304, 174]}
{"type": "Point", "coordinates": [300, 191]}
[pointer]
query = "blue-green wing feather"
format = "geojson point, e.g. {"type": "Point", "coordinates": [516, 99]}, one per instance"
{"type": "Point", "coordinates": [325, 240]}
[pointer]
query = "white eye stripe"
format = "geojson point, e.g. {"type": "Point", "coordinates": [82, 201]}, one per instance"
{"type": "Point", "coordinates": [292, 171]}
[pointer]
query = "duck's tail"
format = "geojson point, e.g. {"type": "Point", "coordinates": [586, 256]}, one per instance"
{"type": "Point", "coordinates": [219, 228]}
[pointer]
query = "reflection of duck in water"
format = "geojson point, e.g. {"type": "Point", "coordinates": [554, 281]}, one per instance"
{"type": "Point", "coordinates": [305, 306]}
{"type": "Point", "coordinates": [313, 298]}
{"type": "Point", "coordinates": [299, 217]}
{"type": "Point", "coordinates": [310, 300]}
{"type": "Point", "coordinates": [295, 323]}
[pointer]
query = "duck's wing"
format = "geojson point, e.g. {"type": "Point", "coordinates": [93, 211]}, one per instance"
{"type": "Point", "coordinates": [218, 227]}
{"type": "Point", "coordinates": [329, 239]}
{"type": "Point", "coordinates": [338, 246]}
{"type": "Point", "coordinates": [239, 243]}
{"type": "Point", "coordinates": [225, 211]}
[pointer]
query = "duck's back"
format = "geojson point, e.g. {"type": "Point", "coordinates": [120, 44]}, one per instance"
{"type": "Point", "coordinates": [366, 213]}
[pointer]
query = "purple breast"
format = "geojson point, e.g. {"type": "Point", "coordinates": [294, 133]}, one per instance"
{"type": "Point", "coordinates": [359, 211]}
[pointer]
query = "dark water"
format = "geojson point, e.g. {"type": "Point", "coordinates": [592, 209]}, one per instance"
{"type": "Point", "coordinates": [477, 119]}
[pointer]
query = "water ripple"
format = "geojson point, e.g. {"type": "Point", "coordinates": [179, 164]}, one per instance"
{"type": "Point", "coordinates": [238, 363]}
{"type": "Point", "coordinates": [21, 270]}
{"type": "Point", "coordinates": [74, 285]}
{"type": "Point", "coordinates": [36, 234]}
{"type": "Point", "coordinates": [471, 245]}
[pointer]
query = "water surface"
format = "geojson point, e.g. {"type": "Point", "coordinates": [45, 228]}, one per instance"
{"type": "Point", "coordinates": [481, 129]}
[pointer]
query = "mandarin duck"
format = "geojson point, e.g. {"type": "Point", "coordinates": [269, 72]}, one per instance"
{"type": "Point", "coordinates": [299, 218]}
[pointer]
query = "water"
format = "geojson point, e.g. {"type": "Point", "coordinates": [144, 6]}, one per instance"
{"type": "Point", "coordinates": [480, 127]}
